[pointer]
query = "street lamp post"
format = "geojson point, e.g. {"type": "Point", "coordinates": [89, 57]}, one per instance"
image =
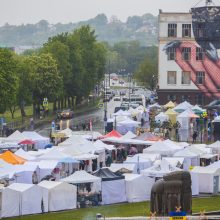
{"type": "Point", "coordinates": [129, 88]}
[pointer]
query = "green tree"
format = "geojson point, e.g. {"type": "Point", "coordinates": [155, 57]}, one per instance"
{"type": "Point", "coordinates": [147, 73]}
{"type": "Point", "coordinates": [46, 80]}
{"type": "Point", "coordinates": [8, 80]}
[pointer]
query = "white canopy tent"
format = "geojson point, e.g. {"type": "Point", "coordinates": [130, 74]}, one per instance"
{"type": "Point", "coordinates": [140, 162]}
{"type": "Point", "coordinates": [21, 153]}
{"type": "Point", "coordinates": [138, 187]}
{"type": "Point", "coordinates": [83, 177]}
{"type": "Point", "coordinates": [46, 167]}
{"type": "Point", "coordinates": [87, 134]}
{"type": "Point", "coordinates": [127, 125]}
{"type": "Point", "coordinates": [58, 196]}
{"type": "Point", "coordinates": [67, 132]}
{"type": "Point", "coordinates": [129, 135]}
{"type": "Point", "coordinates": [24, 172]}
{"type": "Point", "coordinates": [15, 137]}
{"type": "Point", "coordinates": [40, 141]}
{"type": "Point", "coordinates": [162, 148]}
{"type": "Point", "coordinates": [191, 158]}
{"type": "Point", "coordinates": [211, 177]}
{"type": "Point", "coordinates": [215, 148]}
{"type": "Point", "coordinates": [159, 169]}
{"type": "Point", "coordinates": [184, 120]}
{"type": "Point", "coordinates": [161, 117]}
{"type": "Point", "coordinates": [127, 141]}
{"type": "Point", "coordinates": [182, 106]}
{"type": "Point", "coordinates": [99, 143]}
{"type": "Point", "coordinates": [6, 169]}
{"type": "Point", "coordinates": [21, 199]}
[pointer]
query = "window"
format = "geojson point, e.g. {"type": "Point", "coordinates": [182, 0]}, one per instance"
{"type": "Point", "coordinates": [186, 53]}
{"type": "Point", "coordinates": [186, 98]}
{"type": "Point", "coordinates": [200, 53]}
{"type": "Point", "coordinates": [199, 99]}
{"type": "Point", "coordinates": [171, 77]}
{"type": "Point", "coordinates": [172, 30]}
{"type": "Point", "coordinates": [171, 97]}
{"type": "Point", "coordinates": [200, 77]}
{"type": "Point", "coordinates": [171, 53]}
{"type": "Point", "coordinates": [200, 31]}
{"type": "Point", "coordinates": [186, 30]}
{"type": "Point", "coordinates": [186, 79]}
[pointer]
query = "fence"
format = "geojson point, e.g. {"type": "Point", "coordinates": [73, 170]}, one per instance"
{"type": "Point", "coordinates": [159, 218]}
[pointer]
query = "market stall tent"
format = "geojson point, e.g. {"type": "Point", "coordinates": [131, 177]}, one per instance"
{"type": "Point", "coordinates": [147, 136]}
{"type": "Point", "coordinates": [139, 161]}
{"type": "Point", "coordinates": [127, 125]}
{"type": "Point", "coordinates": [162, 148]}
{"type": "Point", "coordinates": [83, 177]}
{"type": "Point", "coordinates": [113, 133]}
{"type": "Point", "coordinates": [161, 117]}
{"type": "Point", "coordinates": [170, 104]}
{"type": "Point", "coordinates": [190, 158]}
{"type": "Point", "coordinates": [129, 135]}
{"type": "Point", "coordinates": [99, 143]}
{"type": "Point", "coordinates": [24, 172]}
{"type": "Point", "coordinates": [172, 115]}
{"type": "Point", "coordinates": [66, 132]}
{"type": "Point", "coordinates": [158, 170]}
{"type": "Point", "coordinates": [211, 177]}
{"type": "Point", "coordinates": [40, 141]}
{"type": "Point", "coordinates": [21, 199]}
{"type": "Point", "coordinates": [58, 196]}
{"type": "Point", "coordinates": [182, 106]}
{"type": "Point", "coordinates": [16, 137]}
{"type": "Point", "coordinates": [113, 186]}
{"type": "Point", "coordinates": [11, 158]}
{"type": "Point", "coordinates": [138, 187]}
{"type": "Point", "coordinates": [21, 153]}
{"type": "Point", "coordinates": [215, 147]}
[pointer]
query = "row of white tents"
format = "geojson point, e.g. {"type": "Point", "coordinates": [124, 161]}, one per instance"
{"type": "Point", "coordinates": [15, 138]}
{"type": "Point", "coordinates": [24, 199]}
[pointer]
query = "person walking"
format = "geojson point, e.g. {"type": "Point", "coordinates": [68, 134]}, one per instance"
{"type": "Point", "coordinates": [194, 136]}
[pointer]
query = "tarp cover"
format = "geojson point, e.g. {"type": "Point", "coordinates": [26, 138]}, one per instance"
{"type": "Point", "coordinates": [107, 175]}
{"type": "Point", "coordinates": [11, 158]}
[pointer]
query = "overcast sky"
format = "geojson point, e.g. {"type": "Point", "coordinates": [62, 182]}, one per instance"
{"type": "Point", "coordinates": [64, 11]}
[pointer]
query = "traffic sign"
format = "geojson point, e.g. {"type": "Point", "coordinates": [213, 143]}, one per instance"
{"type": "Point", "coordinates": [101, 105]}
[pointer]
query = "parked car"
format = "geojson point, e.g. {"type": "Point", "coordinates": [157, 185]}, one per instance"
{"type": "Point", "coordinates": [118, 108]}
{"type": "Point", "coordinates": [117, 98]}
{"type": "Point", "coordinates": [68, 113]}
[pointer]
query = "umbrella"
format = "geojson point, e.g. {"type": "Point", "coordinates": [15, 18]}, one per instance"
{"type": "Point", "coordinates": [27, 141]}
{"type": "Point", "coordinates": [48, 146]}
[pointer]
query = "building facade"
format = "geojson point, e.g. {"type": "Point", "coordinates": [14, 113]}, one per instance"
{"type": "Point", "coordinates": [189, 66]}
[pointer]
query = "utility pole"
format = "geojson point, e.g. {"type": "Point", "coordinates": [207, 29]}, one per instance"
{"type": "Point", "coordinates": [109, 73]}
{"type": "Point", "coordinates": [105, 106]}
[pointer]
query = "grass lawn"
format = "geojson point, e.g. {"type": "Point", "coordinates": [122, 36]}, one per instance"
{"type": "Point", "coordinates": [122, 210]}
{"type": "Point", "coordinates": [29, 111]}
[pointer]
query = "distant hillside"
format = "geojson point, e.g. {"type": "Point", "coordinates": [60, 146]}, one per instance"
{"type": "Point", "coordinates": [141, 28]}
